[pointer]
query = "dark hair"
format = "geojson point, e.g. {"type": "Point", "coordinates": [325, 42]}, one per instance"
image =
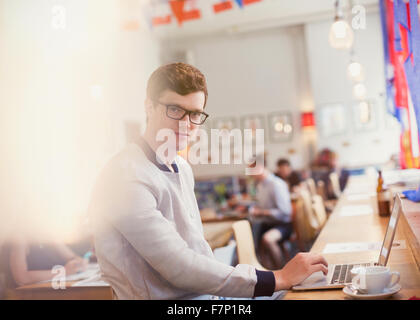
{"type": "Point", "coordinates": [179, 77]}
{"type": "Point", "coordinates": [282, 162]}
{"type": "Point", "coordinates": [325, 158]}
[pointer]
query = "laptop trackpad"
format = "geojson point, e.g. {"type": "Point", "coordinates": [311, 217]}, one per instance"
{"type": "Point", "coordinates": [316, 279]}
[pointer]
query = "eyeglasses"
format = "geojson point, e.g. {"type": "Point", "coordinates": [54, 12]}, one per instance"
{"type": "Point", "coordinates": [177, 113]}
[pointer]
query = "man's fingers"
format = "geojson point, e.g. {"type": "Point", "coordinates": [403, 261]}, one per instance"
{"type": "Point", "coordinates": [317, 258]}
{"type": "Point", "coordinates": [319, 267]}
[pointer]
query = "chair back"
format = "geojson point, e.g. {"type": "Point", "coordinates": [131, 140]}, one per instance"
{"type": "Point", "coordinates": [320, 189]}
{"type": "Point", "coordinates": [310, 183]}
{"type": "Point", "coordinates": [319, 210]}
{"type": "Point", "coordinates": [308, 209]}
{"type": "Point", "coordinates": [305, 223]}
{"type": "Point", "coordinates": [335, 184]}
{"type": "Point", "coordinates": [245, 244]}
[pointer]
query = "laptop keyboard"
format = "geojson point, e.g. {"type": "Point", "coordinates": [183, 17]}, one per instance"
{"type": "Point", "coordinates": [342, 273]}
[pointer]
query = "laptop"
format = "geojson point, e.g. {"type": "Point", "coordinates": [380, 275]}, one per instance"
{"type": "Point", "coordinates": [339, 274]}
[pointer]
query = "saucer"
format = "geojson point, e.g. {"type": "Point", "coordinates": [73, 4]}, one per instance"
{"type": "Point", "coordinates": [385, 294]}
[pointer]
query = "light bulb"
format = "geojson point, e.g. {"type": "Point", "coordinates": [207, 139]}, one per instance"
{"type": "Point", "coordinates": [278, 126]}
{"type": "Point", "coordinates": [355, 71]}
{"type": "Point", "coordinates": [359, 91]}
{"type": "Point", "coordinates": [287, 128]}
{"type": "Point", "coordinates": [341, 35]}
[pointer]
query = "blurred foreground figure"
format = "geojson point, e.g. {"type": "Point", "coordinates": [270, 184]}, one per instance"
{"type": "Point", "coordinates": [26, 262]}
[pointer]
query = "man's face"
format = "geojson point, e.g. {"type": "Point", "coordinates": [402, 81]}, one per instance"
{"type": "Point", "coordinates": [260, 170]}
{"type": "Point", "coordinates": [184, 129]}
{"type": "Point", "coordinates": [284, 171]}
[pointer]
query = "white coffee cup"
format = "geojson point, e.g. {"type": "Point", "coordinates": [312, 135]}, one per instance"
{"type": "Point", "coordinates": [374, 279]}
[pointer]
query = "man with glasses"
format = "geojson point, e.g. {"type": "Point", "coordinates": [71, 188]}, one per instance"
{"type": "Point", "coordinates": [148, 232]}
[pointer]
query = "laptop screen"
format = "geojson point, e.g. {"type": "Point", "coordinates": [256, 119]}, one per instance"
{"type": "Point", "coordinates": [390, 232]}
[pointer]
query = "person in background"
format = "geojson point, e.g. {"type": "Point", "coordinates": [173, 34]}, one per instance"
{"type": "Point", "coordinates": [323, 166]}
{"type": "Point", "coordinates": [31, 262]}
{"type": "Point", "coordinates": [287, 174]}
{"type": "Point", "coordinates": [274, 208]}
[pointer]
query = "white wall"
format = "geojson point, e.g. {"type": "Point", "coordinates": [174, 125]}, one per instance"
{"type": "Point", "coordinates": [251, 73]}
{"type": "Point", "coordinates": [328, 77]}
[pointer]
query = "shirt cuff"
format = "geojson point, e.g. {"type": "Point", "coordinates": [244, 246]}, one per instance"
{"type": "Point", "coordinates": [266, 283]}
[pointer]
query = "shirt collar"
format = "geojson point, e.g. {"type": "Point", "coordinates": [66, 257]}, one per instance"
{"type": "Point", "coordinates": [151, 155]}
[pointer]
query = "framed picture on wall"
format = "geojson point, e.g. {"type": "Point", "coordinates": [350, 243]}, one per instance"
{"type": "Point", "coordinates": [332, 119]}
{"type": "Point", "coordinates": [280, 126]}
{"type": "Point", "coordinates": [364, 115]}
{"type": "Point", "coordinates": [227, 123]}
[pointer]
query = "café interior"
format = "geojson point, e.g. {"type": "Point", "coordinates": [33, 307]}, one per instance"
{"type": "Point", "coordinates": [326, 92]}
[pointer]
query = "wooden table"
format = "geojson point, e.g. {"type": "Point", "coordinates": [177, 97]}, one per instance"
{"type": "Point", "coordinates": [45, 291]}
{"type": "Point", "coordinates": [363, 228]}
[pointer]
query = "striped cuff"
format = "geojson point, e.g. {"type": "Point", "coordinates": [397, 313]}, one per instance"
{"type": "Point", "coordinates": [266, 283]}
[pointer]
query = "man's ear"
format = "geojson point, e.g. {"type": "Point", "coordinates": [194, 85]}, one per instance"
{"type": "Point", "coordinates": [148, 105]}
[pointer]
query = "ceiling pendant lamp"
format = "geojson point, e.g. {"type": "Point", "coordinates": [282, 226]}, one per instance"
{"type": "Point", "coordinates": [340, 35]}
{"type": "Point", "coordinates": [355, 71]}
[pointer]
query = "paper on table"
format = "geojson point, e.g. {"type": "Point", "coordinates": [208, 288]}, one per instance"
{"type": "Point", "coordinates": [94, 281]}
{"type": "Point", "coordinates": [355, 210]}
{"type": "Point", "coordinates": [359, 192]}
{"type": "Point", "coordinates": [92, 269]}
{"type": "Point", "coordinates": [343, 247]}
{"type": "Point", "coordinates": [358, 197]}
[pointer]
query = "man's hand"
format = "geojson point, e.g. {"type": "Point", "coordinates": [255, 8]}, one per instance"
{"type": "Point", "coordinates": [75, 265]}
{"type": "Point", "coordinates": [298, 269]}
{"type": "Point", "coordinates": [259, 212]}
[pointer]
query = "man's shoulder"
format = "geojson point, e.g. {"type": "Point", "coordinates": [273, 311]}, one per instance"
{"type": "Point", "coordinates": [128, 163]}
{"type": "Point", "coordinates": [275, 180]}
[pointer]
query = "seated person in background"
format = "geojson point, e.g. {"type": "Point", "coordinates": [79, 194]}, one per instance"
{"type": "Point", "coordinates": [286, 173]}
{"type": "Point", "coordinates": [31, 262]}
{"type": "Point", "coordinates": [323, 166]}
{"type": "Point", "coordinates": [274, 206]}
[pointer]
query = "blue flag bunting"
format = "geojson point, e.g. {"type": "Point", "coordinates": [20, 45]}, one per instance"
{"type": "Point", "coordinates": [412, 64]}
{"type": "Point", "coordinates": [240, 3]}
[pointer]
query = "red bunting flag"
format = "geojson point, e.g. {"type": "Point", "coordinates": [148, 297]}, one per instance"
{"type": "Point", "coordinates": [222, 6]}
{"type": "Point", "coordinates": [246, 2]}
{"type": "Point", "coordinates": [177, 7]}
{"type": "Point", "coordinates": [181, 15]}
{"type": "Point", "coordinates": [157, 21]}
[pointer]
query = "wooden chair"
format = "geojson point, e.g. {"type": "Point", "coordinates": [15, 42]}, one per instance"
{"type": "Point", "coordinates": [335, 184]}
{"type": "Point", "coordinates": [310, 183]}
{"type": "Point", "coordinates": [308, 209]}
{"type": "Point", "coordinates": [320, 189]}
{"type": "Point", "coordinates": [319, 210]}
{"type": "Point", "coordinates": [306, 222]}
{"type": "Point", "coordinates": [245, 244]}
{"type": "Point", "coordinates": [299, 231]}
